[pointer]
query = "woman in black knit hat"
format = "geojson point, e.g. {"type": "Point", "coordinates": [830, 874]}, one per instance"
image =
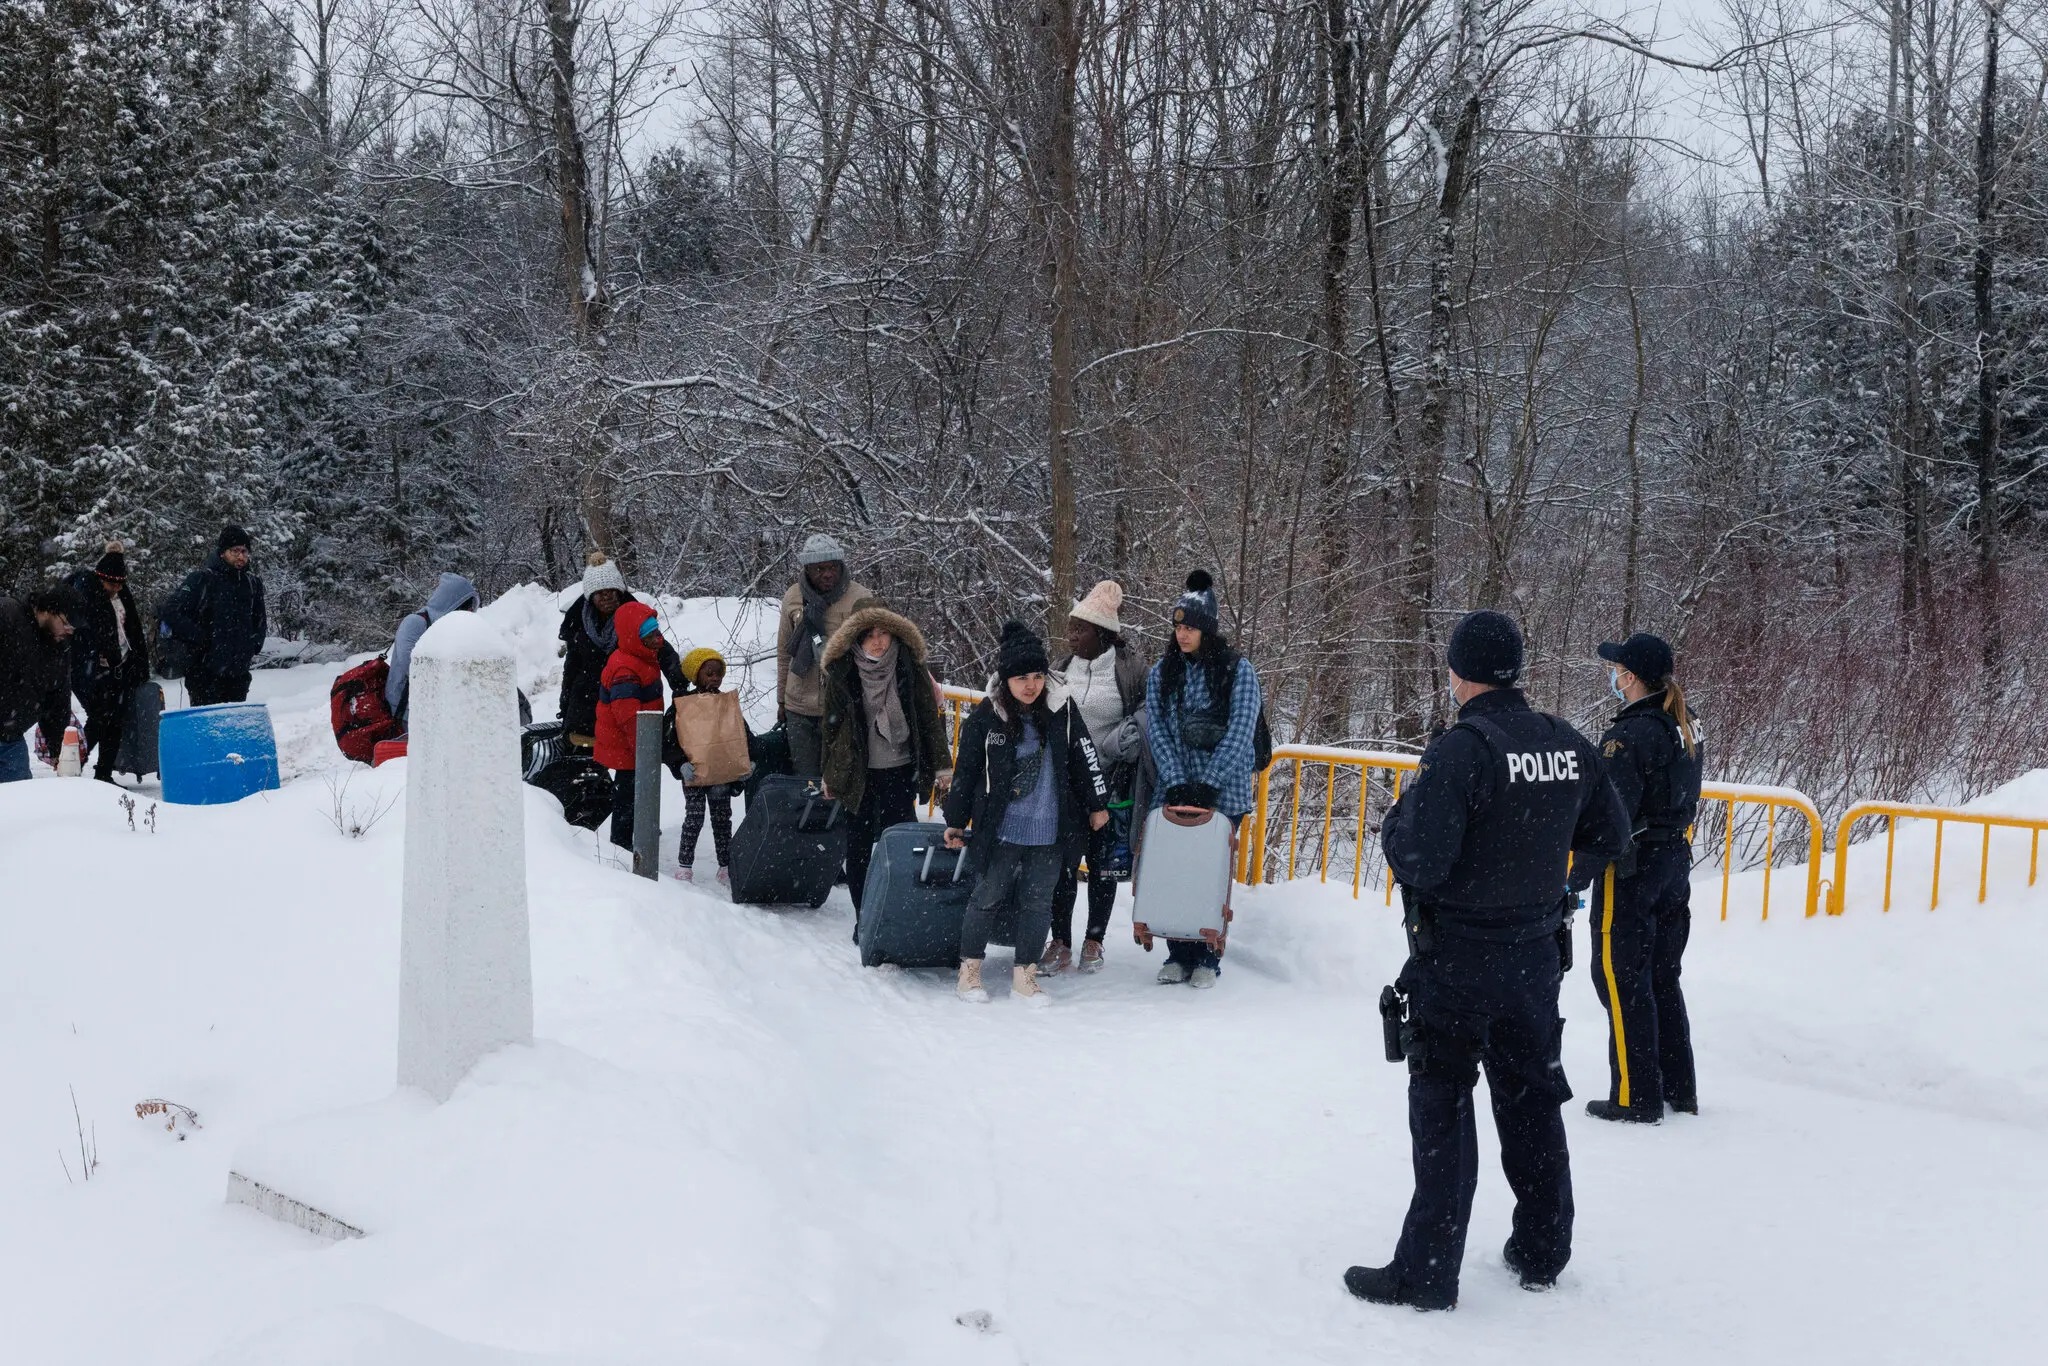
{"type": "Point", "coordinates": [1025, 782]}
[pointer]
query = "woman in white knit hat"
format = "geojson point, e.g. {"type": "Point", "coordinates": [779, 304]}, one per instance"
{"type": "Point", "coordinates": [588, 639]}
{"type": "Point", "coordinates": [1105, 680]}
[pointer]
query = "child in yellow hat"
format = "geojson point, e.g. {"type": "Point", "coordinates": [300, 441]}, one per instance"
{"type": "Point", "coordinates": [704, 669]}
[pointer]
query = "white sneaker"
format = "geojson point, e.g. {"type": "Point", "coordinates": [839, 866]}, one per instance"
{"type": "Point", "coordinates": [969, 987]}
{"type": "Point", "coordinates": [1024, 986]}
{"type": "Point", "coordinates": [1173, 974]}
{"type": "Point", "coordinates": [1202, 977]}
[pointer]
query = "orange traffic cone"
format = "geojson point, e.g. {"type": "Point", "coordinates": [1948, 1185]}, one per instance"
{"type": "Point", "coordinates": [69, 763]}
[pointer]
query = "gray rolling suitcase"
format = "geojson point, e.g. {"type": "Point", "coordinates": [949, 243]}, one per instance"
{"type": "Point", "coordinates": [916, 894]}
{"type": "Point", "coordinates": [1184, 869]}
{"type": "Point", "coordinates": [138, 741]}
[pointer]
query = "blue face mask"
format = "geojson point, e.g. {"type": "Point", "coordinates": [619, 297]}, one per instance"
{"type": "Point", "coordinates": [1451, 691]}
{"type": "Point", "coordinates": [1614, 685]}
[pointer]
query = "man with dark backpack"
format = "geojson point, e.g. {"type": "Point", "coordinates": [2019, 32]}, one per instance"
{"type": "Point", "coordinates": [212, 628]}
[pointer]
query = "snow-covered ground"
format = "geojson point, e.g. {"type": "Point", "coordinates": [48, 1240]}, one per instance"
{"type": "Point", "coordinates": [732, 1145]}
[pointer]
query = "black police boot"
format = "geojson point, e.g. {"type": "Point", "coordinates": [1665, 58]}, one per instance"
{"type": "Point", "coordinates": [1382, 1285]}
{"type": "Point", "coordinates": [1529, 1279]}
{"type": "Point", "coordinates": [1686, 1107]}
{"type": "Point", "coordinates": [1624, 1114]}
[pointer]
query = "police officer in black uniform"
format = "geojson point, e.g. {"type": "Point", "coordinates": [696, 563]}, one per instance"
{"type": "Point", "coordinates": [1479, 843]}
{"type": "Point", "coordinates": [1642, 909]}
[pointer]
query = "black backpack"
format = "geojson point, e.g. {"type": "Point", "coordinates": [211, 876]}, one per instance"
{"type": "Point", "coordinates": [176, 656]}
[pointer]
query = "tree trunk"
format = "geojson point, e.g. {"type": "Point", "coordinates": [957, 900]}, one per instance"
{"type": "Point", "coordinates": [1331, 669]}
{"type": "Point", "coordinates": [588, 305]}
{"type": "Point", "coordinates": [1424, 480]}
{"type": "Point", "coordinates": [1060, 51]}
{"type": "Point", "coordinates": [1988, 606]}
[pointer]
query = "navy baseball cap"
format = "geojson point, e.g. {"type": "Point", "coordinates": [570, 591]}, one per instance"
{"type": "Point", "coordinates": [1646, 656]}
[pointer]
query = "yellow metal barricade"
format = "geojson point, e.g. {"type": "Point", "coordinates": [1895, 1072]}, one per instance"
{"type": "Point", "coordinates": [1942, 816]}
{"type": "Point", "coordinates": [1329, 761]}
{"type": "Point", "coordinates": [1304, 764]}
{"type": "Point", "coordinates": [1739, 797]}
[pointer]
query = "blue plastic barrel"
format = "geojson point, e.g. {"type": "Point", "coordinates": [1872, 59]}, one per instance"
{"type": "Point", "coordinates": [210, 755]}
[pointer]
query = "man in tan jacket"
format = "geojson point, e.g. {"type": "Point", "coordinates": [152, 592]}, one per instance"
{"type": "Point", "coordinates": [815, 606]}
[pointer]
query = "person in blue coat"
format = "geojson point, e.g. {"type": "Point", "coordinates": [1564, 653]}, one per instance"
{"type": "Point", "coordinates": [1202, 710]}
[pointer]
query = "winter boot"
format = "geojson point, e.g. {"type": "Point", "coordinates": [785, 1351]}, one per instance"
{"type": "Point", "coordinates": [1202, 978]}
{"type": "Point", "coordinates": [1024, 986]}
{"type": "Point", "coordinates": [1173, 974]}
{"type": "Point", "coordinates": [1058, 958]}
{"type": "Point", "coordinates": [725, 877]}
{"type": "Point", "coordinates": [1624, 1114]}
{"type": "Point", "coordinates": [1382, 1285]}
{"type": "Point", "coordinates": [1529, 1279]}
{"type": "Point", "coordinates": [969, 988]}
{"type": "Point", "coordinates": [686, 874]}
{"type": "Point", "coordinates": [1686, 1107]}
{"type": "Point", "coordinates": [1091, 955]}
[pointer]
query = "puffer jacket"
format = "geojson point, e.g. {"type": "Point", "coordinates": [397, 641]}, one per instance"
{"type": "Point", "coordinates": [631, 684]}
{"type": "Point", "coordinates": [987, 762]}
{"type": "Point", "coordinates": [585, 652]}
{"type": "Point", "coordinates": [219, 612]}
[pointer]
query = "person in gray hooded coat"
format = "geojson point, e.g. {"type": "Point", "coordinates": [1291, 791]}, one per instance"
{"type": "Point", "coordinates": [452, 594]}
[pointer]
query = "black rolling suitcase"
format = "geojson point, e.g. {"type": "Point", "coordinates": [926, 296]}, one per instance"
{"type": "Point", "coordinates": [790, 846]}
{"type": "Point", "coordinates": [138, 742]}
{"type": "Point", "coordinates": [916, 894]}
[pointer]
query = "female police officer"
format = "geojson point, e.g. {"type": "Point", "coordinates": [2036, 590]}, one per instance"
{"type": "Point", "coordinates": [1642, 911]}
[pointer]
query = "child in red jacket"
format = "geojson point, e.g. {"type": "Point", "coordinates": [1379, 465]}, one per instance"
{"type": "Point", "coordinates": [629, 685]}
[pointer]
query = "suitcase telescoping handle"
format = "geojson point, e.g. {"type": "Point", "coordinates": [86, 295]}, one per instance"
{"type": "Point", "coordinates": [930, 851]}
{"type": "Point", "coordinates": [803, 822]}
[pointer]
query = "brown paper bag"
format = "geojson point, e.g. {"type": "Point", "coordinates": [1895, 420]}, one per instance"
{"type": "Point", "coordinates": [713, 737]}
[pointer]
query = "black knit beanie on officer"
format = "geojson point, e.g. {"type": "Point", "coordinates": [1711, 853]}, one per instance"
{"type": "Point", "coordinates": [1021, 652]}
{"type": "Point", "coordinates": [1486, 647]}
{"type": "Point", "coordinates": [233, 537]}
{"type": "Point", "coordinates": [113, 564]}
{"type": "Point", "coordinates": [1197, 606]}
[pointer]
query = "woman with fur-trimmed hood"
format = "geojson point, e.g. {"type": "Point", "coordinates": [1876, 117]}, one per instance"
{"type": "Point", "coordinates": [885, 744]}
{"type": "Point", "coordinates": [1031, 791]}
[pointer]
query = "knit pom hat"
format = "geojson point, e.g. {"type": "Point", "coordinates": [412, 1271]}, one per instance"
{"type": "Point", "coordinates": [1021, 652]}
{"type": "Point", "coordinates": [1486, 647]}
{"type": "Point", "coordinates": [821, 549]}
{"type": "Point", "coordinates": [697, 659]}
{"type": "Point", "coordinates": [233, 538]}
{"type": "Point", "coordinates": [1101, 607]}
{"type": "Point", "coordinates": [114, 564]}
{"type": "Point", "coordinates": [1197, 606]}
{"type": "Point", "coordinates": [600, 573]}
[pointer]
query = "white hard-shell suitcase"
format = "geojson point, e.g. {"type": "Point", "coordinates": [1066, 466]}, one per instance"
{"type": "Point", "coordinates": [1184, 872]}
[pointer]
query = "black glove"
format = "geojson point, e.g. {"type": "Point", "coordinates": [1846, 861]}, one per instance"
{"type": "Point", "coordinates": [1192, 794]}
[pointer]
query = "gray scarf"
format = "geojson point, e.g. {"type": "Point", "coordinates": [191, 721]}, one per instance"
{"type": "Point", "coordinates": [606, 635]}
{"type": "Point", "coordinates": [804, 657]}
{"type": "Point", "coordinates": [880, 697]}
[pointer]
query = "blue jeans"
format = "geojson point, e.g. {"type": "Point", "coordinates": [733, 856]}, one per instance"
{"type": "Point", "coordinates": [14, 761]}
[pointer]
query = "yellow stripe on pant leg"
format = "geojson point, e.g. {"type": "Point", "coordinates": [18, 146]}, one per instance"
{"type": "Point", "coordinates": [1613, 993]}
